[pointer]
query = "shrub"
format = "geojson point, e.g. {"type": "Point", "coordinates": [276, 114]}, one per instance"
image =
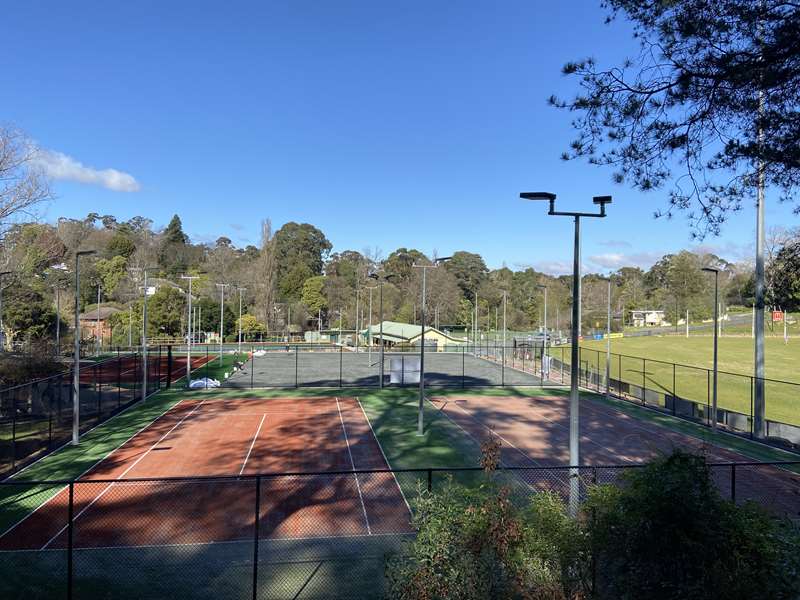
{"type": "Point", "coordinates": [666, 533]}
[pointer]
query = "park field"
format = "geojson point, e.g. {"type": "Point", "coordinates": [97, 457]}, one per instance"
{"type": "Point", "coordinates": [735, 357]}
{"type": "Point", "coordinates": [735, 353]}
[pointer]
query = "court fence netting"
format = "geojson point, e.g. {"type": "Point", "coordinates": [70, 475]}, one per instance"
{"type": "Point", "coordinates": [280, 535]}
{"type": "Point", "coordinates": [36, 417]}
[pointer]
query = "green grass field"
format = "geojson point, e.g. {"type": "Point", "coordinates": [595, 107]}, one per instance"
{"type": "Point", "coordinates": [735, 364]}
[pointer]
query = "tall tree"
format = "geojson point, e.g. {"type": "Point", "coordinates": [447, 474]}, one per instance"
{"type": "Point", "coordinates": [300, 252]}
{"type": "Point", "coordinates": [713, 92]}
{"type": "Point", "coordinates": [469, 270]}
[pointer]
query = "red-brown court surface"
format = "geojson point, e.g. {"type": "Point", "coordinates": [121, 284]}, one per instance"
{"type": "Point", "coordinates": [127, 369]}
{"type": "Point", "coordinates": [208, 436]}
{"type": "Point", "coordinates": [534, 432]}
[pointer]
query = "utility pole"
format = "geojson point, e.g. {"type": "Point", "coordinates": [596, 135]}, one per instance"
{"type": "Point", "coordinates": [189, 278]}
{"type": "Point", "coordinates": [76, 368]}
{"type": "Point", "coordinates": [544, 340]}
{"type": "Point", "coordinates": [716, 340]}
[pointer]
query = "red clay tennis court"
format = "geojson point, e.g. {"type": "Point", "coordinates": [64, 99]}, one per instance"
{"type": "Point", "coordinates": [534, 432]}
{"type": "Point", "coordinates": [127, 368]}
{"type": "Point", "coordinates": [136, 497]}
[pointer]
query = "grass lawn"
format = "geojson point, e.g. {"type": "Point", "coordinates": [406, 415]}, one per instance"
{"type": "Point", "coordinates": [735, 357]}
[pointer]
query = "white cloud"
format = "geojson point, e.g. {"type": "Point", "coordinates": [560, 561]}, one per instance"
{"type": "Point", "coordinates": [60, 166]}
{"type": "Point", "coordinates": [616, 244]}
{"type": "Point", "coordinates": [615, 260]}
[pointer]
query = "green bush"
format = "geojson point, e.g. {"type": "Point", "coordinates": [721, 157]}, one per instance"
{"type": "Point", "coordinates": [476, 544]}
{"type": "Point", "coordinates": [663, 533]}
{"type": "Point", "coordinates": [666, 533]}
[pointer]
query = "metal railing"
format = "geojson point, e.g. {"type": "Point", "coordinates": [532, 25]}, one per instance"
{"type": "Point", "coordinates": [685, 391]}
{"type": "Point", "coordinates": [274, 535]}
{"type": "Point", "coordinates": [36, 417]}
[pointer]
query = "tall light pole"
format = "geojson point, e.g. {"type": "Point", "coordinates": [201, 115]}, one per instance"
{"type": "Point", "coordinates": [189, 278]}
{"type": "Point", "coordinates": [58, 319]}
{"type": "Point", "coordinates": [144, 271]}
{"type": "Point", "coordinates": [2, 328]}
{"type": "Point", "coordinates": [239, 350]}
{"type": "Point", "coordinates": [76, 368]}
{"type": "Point", "coordinates": [505, 302]}
{"type": "Point", "coordinates": [381, 278]}
{"type": "Point", "coordinates": [574, 394]}
{"type": "Point", "coordinates": [608, 341]}
{"type": "Point", "coordinates": [420, 417]}
{"type": "Point", "coordinates": [221, 287]}
{"type": "Point", "coordinates": [369, 328]}
{"type": "Point", "coordinates": [716, 341]}
{"type": "Point", "coordinates": [544, 341]}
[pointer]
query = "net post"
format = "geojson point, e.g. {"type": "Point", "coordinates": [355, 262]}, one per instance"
{"type": "Point", "coordinates": [70, 511]}
{"type": "Point", "coordinates": [255, 536]}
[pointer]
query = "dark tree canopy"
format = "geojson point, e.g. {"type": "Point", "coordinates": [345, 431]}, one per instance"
{"type": "Point", "coordinates": [469, 270]}
{"type": "Point", "coordinates": [714, 90]}
{"type": "Point", "coordinates": [300, 251]}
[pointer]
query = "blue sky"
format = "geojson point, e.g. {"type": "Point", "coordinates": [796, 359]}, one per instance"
{"type": "Point", "coordinates": [385, 124]}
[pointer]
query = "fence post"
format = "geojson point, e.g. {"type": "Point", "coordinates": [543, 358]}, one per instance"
{"type": "Point", "coordinates": [169, 366]}
{"type": "Point", "coordinates": [341, 358]}
{"type": "Point", "coordinates": [296, 358]}
{"type": "Point", "coordinates": [13, 431]}
{"type": "Point", "coordinates": [255, 536]}
{"type": "Point", "coordinates": [644, 380]}
{"type": "Point", "coordinates": [463, 369]}
{"type": "Point", "coordinates": [752, 384]}
{"type": "Point", "coordinates": [503, 368]}
{"type": "Point", "coordinates": [158, 371]}
{"type": "Point", "coordinates": [430, 480]}
{"type": "Point", "coordinates": [708, 398]}
{"type": "Point", "coordinates": [119, 380]}
{"type": "Point", "coordinates": [674, 391]}
{"type": "Point", "coordinates": [252, 364]}
{"type": "Point", "coordinates": [733, 483]}
{"type": "Point", "coordinates": [70, 510]}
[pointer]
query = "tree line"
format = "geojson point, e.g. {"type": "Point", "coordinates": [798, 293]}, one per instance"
{"type": "Point", "coordinates": [295, 280]}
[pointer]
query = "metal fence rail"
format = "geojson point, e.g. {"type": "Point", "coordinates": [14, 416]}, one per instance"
{"type": "Point", "coordinates": [36, 417]}
{"type": "Point", "coordinates": [275, 535]}
{"type": "Point", "coordinates": [685, 391]}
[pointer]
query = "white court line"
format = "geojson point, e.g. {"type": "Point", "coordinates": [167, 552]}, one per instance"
{"type": "Point", "coordinates": [388, 466]}
{"type": "Point", "coordinates": [253, 443]}
{"type": "Point", "coordinates": [125, 472]}
{"type": "Point", "coordinates": [353, 464]}
{"type": "Point", "coordinates": [150, 424]}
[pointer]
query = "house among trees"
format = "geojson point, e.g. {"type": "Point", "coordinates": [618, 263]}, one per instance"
{"type": "Point", "coordinates": [395, 334]}
{"type": "Point", "coordinates": [648, 318]}
{"type": "Point", "coordinates": [95, 323]}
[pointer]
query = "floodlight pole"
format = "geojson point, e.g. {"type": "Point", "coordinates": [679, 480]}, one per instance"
{"type": "Point", "coordinates": [420, 414]}
{"type": "Point", "coordinates": [58, 319]}
{"type": "Point", "coordinates": [574, 395]}
{"type": "Point", "coordinates": [76, 368]}
{"type": "Point", "coordinates": [221, 287]}
{"type": "Point", "coordinates": [369, 328]}
{"type": "Point", "coordinates": [239, 349]}
{"type": "Point", "coordinates": [380, 279]}
{"type": "Point", "coordinates": [2, 329]}
{"type": "Point", "coordinates": [716, 342]}
{"type": "Point", "coordinates": [608, 341]}
{"type": "Point", "coordinates": [505, 302]}
{"type": "Point", "coordinates": [189, 278]}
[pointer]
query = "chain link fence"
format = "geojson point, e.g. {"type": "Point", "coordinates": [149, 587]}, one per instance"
{"type": "Point", "coordinates": [36, 417]}
{"type": "Point", "coordinates": [301, 535]}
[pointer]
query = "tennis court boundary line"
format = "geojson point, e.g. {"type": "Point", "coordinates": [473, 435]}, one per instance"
{"type": "Point", "coordinates": [386, 460]}
{"type": "Point", "coordinates": [253, 443]}
{"type": "Point", "coordinates": [97, 462]}
{"type": "Point", "coordinates": [125, 472]}
{"type": "Point", "coordinates": [353, 464]}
